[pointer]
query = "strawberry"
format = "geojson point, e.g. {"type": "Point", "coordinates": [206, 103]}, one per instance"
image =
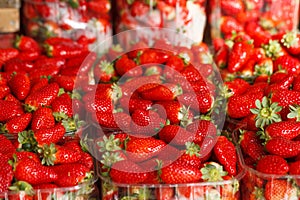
{"type": "Point", "coordinates": [38, 83]}
{"type": "Point", "coordinates": [18, 65]}
{"type": "Point", "coordinates": [104, 71]}
{"type": "Point", "coordinates": [284, 84]}
{"type": "Point", "coordinates": [190, 156]}
{"type": "Point", "coordinates": [64, 50]}
{"type": "Point", "coordinates": [295, 169]}
{"type": "Point", "coordinates": [62, 107]}
{"type": "Point", "coordinates": [164, 193]}
{"type": "Point", "coordinates": [286, 97]}
{"type": "Point", "coordinates": [34, 173]}
{"type": "Point", "coordinates": [237, 87]}
{"type": "Point", "coordinates": [286, 129]}
{"type": "Point", "coordinates": [118, 120]}
{"type": "Point", "coordinates": [229, 24]}
{"type": "Point", "coordinates": [146, 122]}
{"type": "Point", "coordinates": [164, 92]}
{"type": "Point", "coordinates": [225, 153]}
{"type": "Point", "coordinates": [17, 124]}
{"type": "Point", "coordinates": [125, 65]}
{"type": "Point", "coordinates": [19, 85]}
{"type": "Point", "coordinates": [70, 175]}
{"type": "Point", "coordinates": [153, 56]}
{"type": "Point", "coordinates": [65, 82]}
{"type": "Point", "coordinates": [232, 7]}
{"type": "Point", "coordinates": [100, 105]}
{"type": "Point", "coordinates": [9, 109]}
{"type": "Point", "coordinates": [239, 105]}
{"type": "Point", "coordinates": [296, 84]}
{"type": "Point", "coordinates": [141, 149]}
{"type": "Point", "coordinates": [54, 154]}
{"type": "Point", "coordinates": [288, 63]}
{"type": "Point", "coordinates": [127, 172]}
{"type": "Point", "coordinates": [175, 112]}
{"type": "Point", "coordinates": [42, 118]}
{"type": "Point", "coordinates": [25, 43]}
{"type": "Point", "coordinates": [239, 55]}
{"type": "Point", "coordinates": [133, 104]}
{"type": "Point", "coordinates": [176, 173]}
{"type": "Point", "coordinates": [279, 189]}
{"type": "Point", "coordinates": [87, 160]}
{"type": "Point", "coordinates": [4, 91]}
{"type": "Point", "coordinates": [27, 154]}
{"type": "Point", "coordinates": [221, 56]}
{"type": "Point", "coordinates": [138, 8]}
{"type": "Point", "coordinates": [42, 97]}
{"type": "Point", "coordinates": [6, 174]}
{"type": "Point", "coordinates": [175, 62]}
{"type": "Point", "coordinates": [200, 102]}
{"type": "Point", "coordinates": [175, 135]}
{"type": "Point", "coordinates": [291, 40]}
{"type": "Point", "coordinates": [277, 76]}
{"type": "Point", "coordinates": [283, 147]}
{"type": "Point", "coordinates": [7, 54]}
{"type": "Point", "coordinates": [272, 164]}
{"type": "Point", "coordinates": [7, 148]}
{"type": "Point", "coordinates": [31, 139]}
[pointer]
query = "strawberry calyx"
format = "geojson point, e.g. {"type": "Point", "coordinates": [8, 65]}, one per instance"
{"type": "Point", "coordinates": [213, 172]}
{"type": "Point", "coordinates": [294, 112]}
{"type": "Point", "coordinates": [109, 143]}
{"type": "Point", "coordinates": [258, 192]}
{"type": "Point", "coordinates": [71, 124]}
{"type": "Point", "coordinates": [107, 67]}
{"type": "Point", "coordinates": [108, 159]}
{"type": "Point", "coordinates": [183, 116]}
{"type": "Point", "coordinates": [192, 149]}
{"type": "Point", "coordinates": [290, 39]}
{"type": "Point", "coordinates": [3, 128]}
{"type": "Point", "coordinates": [48, 154]}
{"type": "Point", "coordinates": [27, 140]}
{"type": "Point", "coordinates": [117, 48]}
{"type": "Point", "coordinates": [266, 112]}
{"type": "Point", "coordinates": [273, 49]}
{"type": "Point", "coordinates": [30, 108]}
{"type": "Point", "coordinates": [22, 186]}
{"type": "Point", "coordinates": [265, 68]}
{"type": "Point", "coordinates": [116, 92]}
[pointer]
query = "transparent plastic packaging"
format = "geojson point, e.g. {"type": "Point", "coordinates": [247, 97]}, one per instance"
{"type": "Point", "coordinates": [71, 19]}
{"type": "Point", "coordinates": [187, 17]}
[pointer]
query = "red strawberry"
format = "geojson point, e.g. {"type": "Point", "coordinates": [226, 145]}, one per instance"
{"type": "Point", "coordinates": [190, 156]}
{"type": "Point", "coordinates": [4, 91]}
{"type": "Point", "coordinates": [54, 154]}
{"type": "Point", "coordinates": [138, 8]}
{"type": "Point", "coordinates": [119, 120]}
{"type": "Point", "coordinates": [279, 189]}
{"type": "Point", "coordinates": [38, 83]}
{"type": "Point", "coordinates": [18, 65]}
{"type": "Point", "coordinates": [237, 87]}
{"type": "Point", "coordinates": [283, 147]}
{"type": "Point", "coordinates": [17, 124]}
{"type": "Point", "coordinates": [9, 109]}
{"type": "Point", "coordinates": [133, 104]}
{"type": "Point", "coordinates": [124, 65]}
{"type": "Point", "coordinates": [70, 175]}
{"type": "Point", "coordinates": [104, 71]}
{"type": "Point", "coordinates": [6, 174]}
{"type": "Point", "coordinates": [25, 43]}
{"type": "Point", "coordinates": [229, 24]}
{"type": "Point", "coordinates": [164, 92]}
{"type": "Point", "coordinates": [34, 173]}
{"type": "Point", "coordinates": [153, 56]}
{"type": "Point", "coordinates": [286, 97]}
{"type": "Point", "coordinates": [42, 118]}
{"type": "Point", "coordinates": [175, 62]}
{"type": "Point", "coordinates": [232, 7]}
{"type": "Point", "coordinates": [288, 63]}
{"type": "Point", "coordinates": [284, 84]}
{"type": "Point", "coordinates": [175, 135]}
{"type": "Point", "coordinates": [65, 82]}
{"type": "Point", "coordinates": [19, 85]}
{"type": "Point", "coordinates": [146, 122]}
{"type": "Point", "coordinates": [226, 154]}
{"type": "Point", "coordinates": [286, 129]}
{"type": "Point", "coordinates": [7, 148]}
{"type": "Point", "coordinates": [272, 164]}
{"type": "Point", "coordinates": [239, 55]}
{"type": "Point", "coordinates": [176, 173]}
{"type": "Point", "coordinates": [7, 54]}
{"type": "Point", "coordinates": [28, 154]}
{"type": "Point", "coordinates": [127, 172]}
{"type": "Point", "coordinates": [239, 105]}
{"type": "Point", "coordinates": [42, 97]}
{"type": "Point", "coordinates": [141, 149]}
{"type": "Point", "coordinates": [221, 56]}
{"type": "Point", "coordinates": [200, 102]}
{"type": "Point", "coordinates": [296, 84]}
{"type": "Point", "coordinates": [62, 107]}
{"type": "Point", "coordinates": [295, 169]}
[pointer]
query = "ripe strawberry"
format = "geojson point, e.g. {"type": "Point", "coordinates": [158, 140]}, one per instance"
{"type": "Point", "coordinates": [190, 156]}
{"type": "Point", "coordinates": [240, 54]}
{"type": "Point", "coordinates": [295, 169]}
{"type": "Point", "coordinates": [70, 175]}
{"type": "Point", "coordinates": [283, 147]}
{"type": "Point", "coordinates": [127, 172]}
{"type": "Point", "coordinates": [288, 63]}
{"type": "Point", "coordinates": [153, 56]}
{"type": "Point", "coordinates": [7, 54]}
{"type": "Point", "coordinates": [25, 43]}
{"type": "Point", "coordinates": [175, 135]}
{"type": "Point", "coordinates": [175, 62]}
{"type": "Point", "coordinates": [286, 97]}
{"type": "Point", "coordinates": [34, 173]}
{"type": "Point", "coordinates": [200, 101]}
{"type": "Point", "coordinates": [272, 164]}
{"type": "Point", "coordinates": [146, 122]}
{"type": "Point", "coordinates": [141, 149]}
{"type": "Point", "coordinates": [54, 154]}
{"type": "Point", "coordinates": [42, 118]}
{"type": "Point", "coordinates": [6, 174]}
{"type": "Point", "coordinates": [164, 92]}
{"type": "Point", "coordinates": [65, 82]}
{"type": "Point", "coordinates": [7, 148]}
{"type": "Point", "coordinates": [191, 74]}
{"type": "Point", "coordinates": [138, 8]}
{"type": "Point", "coordinates": [164, 193]}
{"type": "Point", "coordinates": [28, 154]}
{"type": "Point", "coordinates": [225, 153]}
{"type": "Point", "coordinates": [4, 91]}
{"type": "Point", "coordinates": [118, 120]}
{"type": "Point", "coordinates": [221, 56]}
{"type": "Point", "coordinates": [239, 105]}
{"type": "Point", "coordinates": [17, 124]}
{"type": "Point", "coordinates": [279, 189]}
{"type": "Point", "coordinates": [133, 104]}
{"type": "Point", "coordinates": [124, 65]}
{"type": "Point", "coordinates": [105, 71]}
{"type": "Point", "coordinates": [42, 97]}
{"type": "Point", "coordinates": [62, 107]}
{"type": "Point", "coordinates": [232, 7]}
{"type": "Point", "coordinates": [284, 84]}
{"type": "Point", "coordinates": [176, 173]}
{"type": "Point", "coordinates": [291, 40]}
{"type": "Point", "coordinates": [237, 87]}
{"type": "Point", "coordinates": [286, 129]}
{"type": "Point", "coordinates": [9, 109]}
{"type": "Point", "coordinates": [18, 65]}
{"type": "Point", "coordinates": [108, 91]}
{"type": "Point", "coordinates": [229, 24]}
{"type": "Point", "coordinates": [19, 85]}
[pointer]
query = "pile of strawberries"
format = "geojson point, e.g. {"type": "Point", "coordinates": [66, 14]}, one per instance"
{"type": "Point", "coordinates": [157, 120]}
{"type": "Point", "coordinates": [38, 107]}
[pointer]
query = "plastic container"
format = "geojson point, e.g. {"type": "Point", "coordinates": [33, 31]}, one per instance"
{"type": "Point", "coordinates": [231, 15]}
{"type": "Point", "coordinates": [187, 17]}
{"type": "Point", "coordinates": [70, 19]}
